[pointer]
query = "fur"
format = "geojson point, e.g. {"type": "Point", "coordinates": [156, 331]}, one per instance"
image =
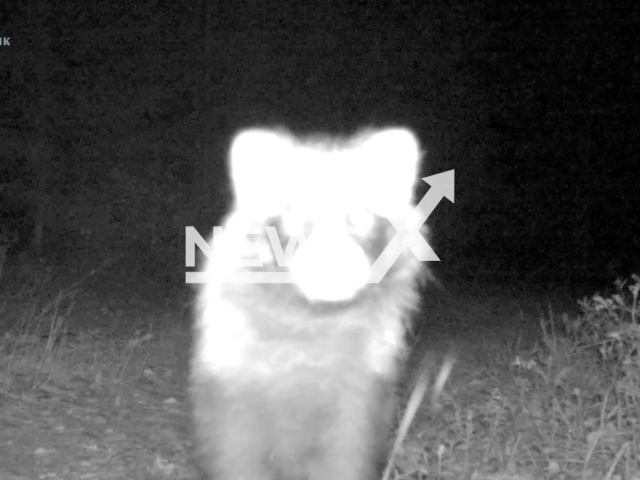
{"type": "Point", "coordinates": [296, 381]}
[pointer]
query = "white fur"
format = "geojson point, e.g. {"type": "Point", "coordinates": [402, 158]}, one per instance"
{"type": "Point", "coordinates": [223, 336]}
{"type": "Point", "coordinates": [274, 173]}
{"type": "Point", "coordinates": [271, 169]}
{"type": "Point", "coordinates": [330, 266]}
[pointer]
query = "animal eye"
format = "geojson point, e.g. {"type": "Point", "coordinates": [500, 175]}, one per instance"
{"type": "Point", "coordinates": [293, 222]}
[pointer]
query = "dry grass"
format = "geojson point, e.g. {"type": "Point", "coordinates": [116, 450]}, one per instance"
{"type": "Point", "coordinates": [558, 398]}
{"type": "Point", "coordinates": [564, 406]}
{"type": "Point", "coordinates": [91, 402]}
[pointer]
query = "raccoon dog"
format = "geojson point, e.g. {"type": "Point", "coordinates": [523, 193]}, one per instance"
{"type": "Point", "coordinates": [296, 380]}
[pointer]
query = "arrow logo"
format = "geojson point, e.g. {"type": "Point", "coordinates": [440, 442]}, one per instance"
{"type": "Point", "coordinates": [408, 234]}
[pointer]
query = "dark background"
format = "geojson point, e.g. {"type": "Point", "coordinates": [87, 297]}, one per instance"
{"type": "Point", "coordinates": [115, 121]}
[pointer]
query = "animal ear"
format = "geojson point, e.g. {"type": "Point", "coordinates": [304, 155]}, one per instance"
{"type": "Point", "coordinates": [393, 159]}
{"type": "Point", "coordinates": [259, 160]}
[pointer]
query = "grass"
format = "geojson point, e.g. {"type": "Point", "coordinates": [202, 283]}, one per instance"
{"type": "Point", "coordinates": [533, 394]}
{"type": "Point", "coordinates": [566, 405]}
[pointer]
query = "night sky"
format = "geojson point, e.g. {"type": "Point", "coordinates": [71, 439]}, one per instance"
{"type": "Point", "coordinates": [116, 119]}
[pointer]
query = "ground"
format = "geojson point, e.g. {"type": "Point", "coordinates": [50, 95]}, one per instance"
{"type": "Point", "coordinates": [109, 401]}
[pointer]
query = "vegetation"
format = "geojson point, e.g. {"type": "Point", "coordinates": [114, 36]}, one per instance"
{"type": "Point", "coordinates": [115, 122]}
{"type": "Point", "coordinates": [109, 402]}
